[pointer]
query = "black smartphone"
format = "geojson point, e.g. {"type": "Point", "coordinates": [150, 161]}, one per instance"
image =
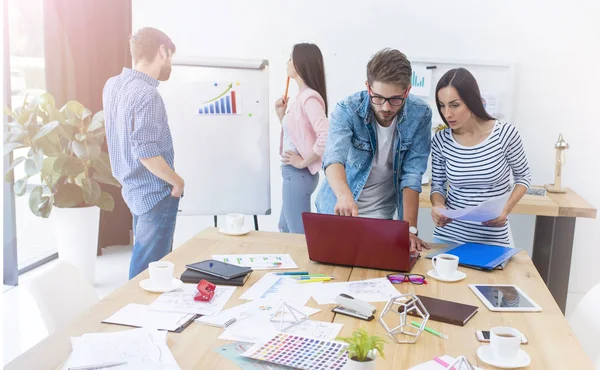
{"type": "Point", "coordinates": [221, 269]}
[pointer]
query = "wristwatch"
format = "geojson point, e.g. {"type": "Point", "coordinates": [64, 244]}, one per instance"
{"type": "Point", "coordinates": [413, 230]}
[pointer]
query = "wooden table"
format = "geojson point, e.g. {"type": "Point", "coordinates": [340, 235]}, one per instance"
{"type": "Point", "coordinates": [552, 343]}
{"type": "Point", "coordinates": [553, 235]}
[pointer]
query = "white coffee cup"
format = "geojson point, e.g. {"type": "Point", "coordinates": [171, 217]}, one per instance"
{"type": "Point", "coordinates": [234, 221]}
{"type": "Point", "coordinates": [445, 265]}
{"type": "Point", "coordinates": [161, 274]}
{"type": "Point", "coordinates": [505, 342]}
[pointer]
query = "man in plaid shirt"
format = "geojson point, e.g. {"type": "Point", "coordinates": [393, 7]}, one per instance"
{"type": "Point", "coordinates": [141, 148]}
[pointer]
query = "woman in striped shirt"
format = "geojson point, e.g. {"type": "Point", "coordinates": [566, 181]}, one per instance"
{"type": "Point", "coordinates": [472, 161]}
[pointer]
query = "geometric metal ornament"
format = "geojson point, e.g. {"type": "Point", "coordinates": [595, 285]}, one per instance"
{"type": "Point", "coordinates": [278, 317]}
{"type": "Point", "coordinates": [461, 363]}
{"type": "Point", "coordinates": [401, 305]}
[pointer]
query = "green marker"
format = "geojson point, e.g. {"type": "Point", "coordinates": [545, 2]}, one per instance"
{"type": "Point", "coordinates": [430, 330]}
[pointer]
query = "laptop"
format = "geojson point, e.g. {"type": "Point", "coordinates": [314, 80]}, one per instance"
{"type": "Point", "coordinates": [357, 241]}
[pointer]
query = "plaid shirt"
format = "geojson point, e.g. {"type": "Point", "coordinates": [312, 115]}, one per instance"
{"type": "Point", "coordinates": [137, 127]}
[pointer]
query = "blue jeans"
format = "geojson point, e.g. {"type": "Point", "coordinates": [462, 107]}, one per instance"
{"type": "Point", "coordinates": [298, 186]}
{"type": "Point", "coordinates": [153, 234]}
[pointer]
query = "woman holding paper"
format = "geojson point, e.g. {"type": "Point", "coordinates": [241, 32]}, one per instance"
{"type": "Point", "coordinates": [472, 162]}
{"type": "Point", "coordinates": [303, 134]}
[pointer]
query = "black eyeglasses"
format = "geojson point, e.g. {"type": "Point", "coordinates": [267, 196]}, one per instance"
{"type": "Point", "coordinates": [413, 278]}
{"type": "Point", "coordinates": [380, 100]}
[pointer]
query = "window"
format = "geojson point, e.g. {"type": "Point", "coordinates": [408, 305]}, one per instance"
{"type": "Point", "coordinates": [35, 237]}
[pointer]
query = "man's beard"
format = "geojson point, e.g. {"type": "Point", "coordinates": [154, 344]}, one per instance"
{"type": "Point", "coordinates": [382, 119]}
{"type": "Point", "coordinates": [165, 72]}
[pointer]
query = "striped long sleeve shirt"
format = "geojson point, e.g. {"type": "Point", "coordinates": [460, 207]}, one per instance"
{"type": "Point", "coordinates": [467, 176]}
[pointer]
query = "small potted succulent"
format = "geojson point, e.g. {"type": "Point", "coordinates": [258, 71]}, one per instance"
{"type": "Point", "coordinates": [362, 350]}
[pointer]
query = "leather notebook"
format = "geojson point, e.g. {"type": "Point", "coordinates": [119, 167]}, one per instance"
{"type": "Point", "coordinates": [191, 276]}
{"type": "Point", "coordinates": [446, 311]}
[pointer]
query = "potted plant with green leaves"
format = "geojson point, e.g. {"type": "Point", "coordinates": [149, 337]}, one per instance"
{"type": "Point", "coordinates": [362, 350]}
{"type": "Point", "coordinates": [63, 170]}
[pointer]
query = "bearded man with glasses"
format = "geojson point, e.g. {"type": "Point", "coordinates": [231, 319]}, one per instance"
{"type": "Point", "coordinates": [378, 147]}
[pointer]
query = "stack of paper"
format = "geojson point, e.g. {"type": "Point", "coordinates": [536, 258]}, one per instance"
{"type": "Point", "coordinates": [485, 211]}
{"type": "Point", "coordinates": [182, 300]}
{"type": "Point", "coordinates": [137, 349]}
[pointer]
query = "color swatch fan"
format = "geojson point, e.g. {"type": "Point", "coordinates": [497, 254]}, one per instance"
{"type": "Point", "coordinates": [300, 352]}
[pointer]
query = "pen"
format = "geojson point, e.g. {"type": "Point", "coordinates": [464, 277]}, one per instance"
{"type": "Point", "coordinates": [442, 362]}
{"type": "Point", "coordinates": [313, 277]}
{"type": "Point", "coordinates": [292, 273]}
{"type": "Point", "coordinates": [104, 365]}
{"type": "Point", "coordinates": [287, 86]}
{"type": "Point", "coordinates": [430, 330]}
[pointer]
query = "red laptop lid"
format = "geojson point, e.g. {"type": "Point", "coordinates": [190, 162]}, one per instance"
{"type": "Point", "coordinates": [356, 241]}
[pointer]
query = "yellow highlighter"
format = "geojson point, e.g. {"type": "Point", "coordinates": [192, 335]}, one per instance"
{"type": "Point", "coordinates": [315, 280]}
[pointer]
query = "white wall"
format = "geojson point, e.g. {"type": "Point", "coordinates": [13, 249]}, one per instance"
{"type": "Point", "coordinates": [555, 45]}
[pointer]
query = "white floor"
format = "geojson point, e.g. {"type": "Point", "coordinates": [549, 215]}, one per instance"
{"type": "Point", "coordinates": [23, 326]}
{"type": "Point", "coordinates": [22, 323]}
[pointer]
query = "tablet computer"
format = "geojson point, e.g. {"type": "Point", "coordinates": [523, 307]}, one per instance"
{"type": "Point", "coordinates": [219, 269]}
{"type": "Point", "coordinates": [504, 297]}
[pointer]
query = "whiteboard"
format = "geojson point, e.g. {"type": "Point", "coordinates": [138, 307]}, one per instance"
{"type": "Point", "coordinates": [218, 111]}
{"type": "Point", "coordinates": [495, 80]}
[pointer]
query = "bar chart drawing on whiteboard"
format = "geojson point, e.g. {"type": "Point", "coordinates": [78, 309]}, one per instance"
{"type": "Point", "coordinates": [421, 81]}
{"type": "Point", "coordinates": [227, 102]}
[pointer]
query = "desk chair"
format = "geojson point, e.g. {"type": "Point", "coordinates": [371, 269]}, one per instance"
{"type": "Point", "coordinates": [62, 293]}
{"type": "Point", "coordinates": [585, 322]}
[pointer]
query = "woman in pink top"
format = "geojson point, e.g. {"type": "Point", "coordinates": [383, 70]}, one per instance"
{"type": "Point", "coordinates": [303, 135]}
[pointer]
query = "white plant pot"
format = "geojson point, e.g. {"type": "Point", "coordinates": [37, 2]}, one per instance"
{"type": "Point", "coordinates": [76, 232]}
{"type": "Point", "coordinates": [357, 365]}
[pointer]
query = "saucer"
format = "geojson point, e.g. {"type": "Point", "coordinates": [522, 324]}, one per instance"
{"type": "Point", "coordinates": [243, 231]}
{"type": "Point", "coordinates": [458, 276]}
{"type": "Point", "coordinates": [485, 354]}
{"type": "Point", "coordinates": [147, 285]}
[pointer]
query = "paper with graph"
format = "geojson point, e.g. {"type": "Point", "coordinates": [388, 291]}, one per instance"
{"type": "Point", "coordinates": [373, 290]}
{"type": "Point", "coordinates": [484, 211]}
{"type": "Point", "coordinates": [258, 261]}
{"type": "Point", "coordinates": [182, 300]}
{"type": "Point", "coordinates": [280, 287]}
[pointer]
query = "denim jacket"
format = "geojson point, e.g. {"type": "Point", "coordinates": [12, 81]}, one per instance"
{"type": "Point", "coordinates": [352, 141]}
